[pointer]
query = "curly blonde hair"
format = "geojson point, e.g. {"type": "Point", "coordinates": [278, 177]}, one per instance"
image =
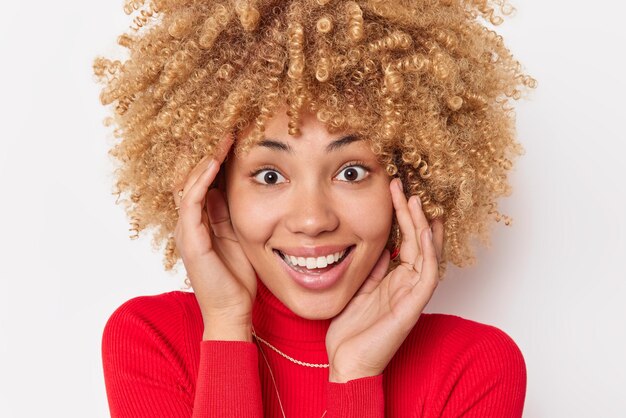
{"type": "Point", "coordinates": [423, 81]}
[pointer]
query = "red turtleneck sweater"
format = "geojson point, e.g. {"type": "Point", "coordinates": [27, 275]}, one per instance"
{"type": "Point", "coordinates": [157, 365]}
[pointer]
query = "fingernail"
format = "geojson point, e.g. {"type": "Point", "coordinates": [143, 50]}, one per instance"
{"type": "Point", "coordinates": [430, 233]}
{"type": "Point", "coordinates": [211, 164]}
{"type": "Point", "coordinates": [400, 186]}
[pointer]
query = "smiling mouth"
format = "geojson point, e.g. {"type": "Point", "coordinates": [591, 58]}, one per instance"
{"type": "Point", "coordinates": [313, 265]}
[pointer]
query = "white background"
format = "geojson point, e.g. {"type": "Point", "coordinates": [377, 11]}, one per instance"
{"type": "Point", "coordinates": [554, 281]}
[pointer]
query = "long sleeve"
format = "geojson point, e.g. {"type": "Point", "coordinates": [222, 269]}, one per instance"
{"type": "Point", "coordinates": [358, 398]}
{"type": "Point", "coordinates": [147, 367]}
{"type": "Point", "coordinates": [228, 381]}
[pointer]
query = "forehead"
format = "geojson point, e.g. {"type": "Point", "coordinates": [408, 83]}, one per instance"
{"type": "Point", "coordinates": [308, 145]}
{"type": "Point", "coordinates": [275, 135]}
{"type": "Point", "coordinates": [329, 147]}
{"type": "Point", "coordinates": [314, 136]}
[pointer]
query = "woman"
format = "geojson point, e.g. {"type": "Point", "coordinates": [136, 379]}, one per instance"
{"type": "Point", "coordinates": [314, 164]}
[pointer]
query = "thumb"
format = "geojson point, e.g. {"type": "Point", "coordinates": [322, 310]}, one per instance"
{"type": "Point", "coordinates": [219, 215]}
{"type": "Point", "coordinates": [376, 275]}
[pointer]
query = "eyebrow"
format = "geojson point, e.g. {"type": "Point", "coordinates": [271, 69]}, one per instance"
{"type": "Point", "coordinates": [333, 146]}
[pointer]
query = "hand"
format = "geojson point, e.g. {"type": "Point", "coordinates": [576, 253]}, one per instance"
{"type": "Point", "coordinates": [222, 277]}
{"type": "Point", "coordinates": [363, 338]}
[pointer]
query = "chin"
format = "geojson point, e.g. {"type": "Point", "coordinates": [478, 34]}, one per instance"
{"type": "Point", "coordinates": [317, 315]}
{"type": "Point", "coordinates": [313, 309]}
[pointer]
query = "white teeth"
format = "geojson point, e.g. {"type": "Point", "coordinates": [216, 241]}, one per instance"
{"type": "Point", "coordinates": [310, 263]}
{"type": "Point", "coordinates": [313, 262]}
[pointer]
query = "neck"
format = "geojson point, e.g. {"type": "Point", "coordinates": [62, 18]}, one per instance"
{"type": "Point", "coordinates": [276, 323]}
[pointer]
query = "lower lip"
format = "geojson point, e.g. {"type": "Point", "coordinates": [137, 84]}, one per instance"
{"type": "Point", "coordinates": [317, 281]}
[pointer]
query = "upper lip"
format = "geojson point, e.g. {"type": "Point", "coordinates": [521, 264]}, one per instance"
{"type": "Point", "coordinates": [322, 250]}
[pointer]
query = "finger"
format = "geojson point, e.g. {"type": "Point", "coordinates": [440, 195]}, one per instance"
{"type": "Point", "coordinates": [430, 271]}
{"type": "Point", "coordinates": [197, 171]}
{"type": "Point", "coordinates": [419, 219]}
{"type": "Point", "coordinates": [220, 154]}
{"type": "Point", "coordinates": [408, 247]}
{"type": "Point", "coordinates": [194, 198]}
{"type": "Point", "coordinates": [224, 147]}
{"type": "Point", "coordinates": [437, 228]}
{"type": "Point", "coordinates": [219, 216]}
{"type": "Point", "coordinates": [376, 275]}
{"type": "Point", "coordinates": [191, 178]}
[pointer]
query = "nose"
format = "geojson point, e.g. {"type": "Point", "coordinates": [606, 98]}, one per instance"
{"type": "Point", "coordinates": [311, 212]}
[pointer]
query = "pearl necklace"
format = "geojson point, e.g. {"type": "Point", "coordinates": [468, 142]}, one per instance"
{"type": "Point", "coordinates": [293, 360]}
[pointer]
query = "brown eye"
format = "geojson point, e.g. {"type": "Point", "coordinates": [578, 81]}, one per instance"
{"type": "Point", "coordinates": [269, 177]}
{"type": "Point", "coordinates": [353, 173]}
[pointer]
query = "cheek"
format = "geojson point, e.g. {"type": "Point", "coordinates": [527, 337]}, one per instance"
{"type": "Point", "coordinates": [370, 214]}
{"type": "Point", "coordinates": [253, 219]}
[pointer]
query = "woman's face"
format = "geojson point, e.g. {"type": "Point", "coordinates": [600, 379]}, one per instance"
{"type": "Point", "coordinates": [305, 199]}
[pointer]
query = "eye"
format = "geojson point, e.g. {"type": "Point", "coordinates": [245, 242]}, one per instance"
{"type": "Point", "coordinates": [268, 177]}
{"type": "Point", "coordinates": [353, 173]}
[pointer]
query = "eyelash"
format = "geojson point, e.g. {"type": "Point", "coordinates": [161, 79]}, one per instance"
{"type": "Point", "coordinates": [357, 163]}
